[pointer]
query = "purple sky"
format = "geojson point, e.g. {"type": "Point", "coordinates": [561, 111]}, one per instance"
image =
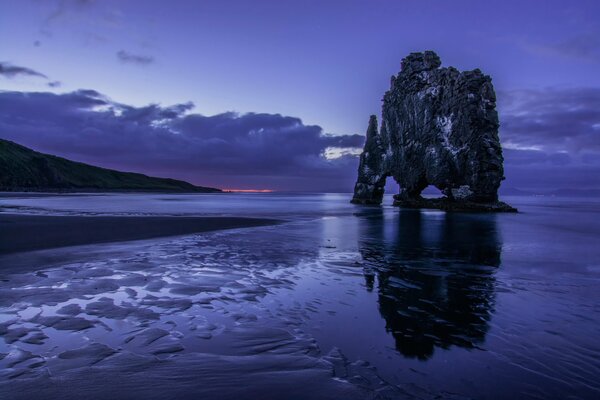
{"type": "Point", "coordinates": [275, 85]}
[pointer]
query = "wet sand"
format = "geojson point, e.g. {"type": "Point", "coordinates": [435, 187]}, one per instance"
{"type": "Point", "coordinates": [19, 233]}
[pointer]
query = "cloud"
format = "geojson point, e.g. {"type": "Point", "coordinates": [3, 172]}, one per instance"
{"type": "Point", "coordinates": [88, 20]}
{"type": "Point", "coordinates": [64, 6]}
{"type": "Point", "coordinates": [583, 46]}
{"type": "Point", "coordinates": [253, 150]}
{"type": "Point", "coordinates": [552, 119]}
{"type": "Point", "coordinates": [126, 57]}
{"type": "Point", "coordinates": [11, 71]}
{"type": "Point", "coordinates": [550, 137]}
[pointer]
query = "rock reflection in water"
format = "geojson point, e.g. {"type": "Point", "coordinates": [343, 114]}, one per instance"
{"type": "Point", "coordinates": [434, 273]}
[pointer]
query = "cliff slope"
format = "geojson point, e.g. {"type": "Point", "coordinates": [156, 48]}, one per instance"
{"type": "Point", "coordinates": [23, 169]}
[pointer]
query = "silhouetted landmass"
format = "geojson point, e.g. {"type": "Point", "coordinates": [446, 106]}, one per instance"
{"type": "Point", "coordinates": [23, 169]}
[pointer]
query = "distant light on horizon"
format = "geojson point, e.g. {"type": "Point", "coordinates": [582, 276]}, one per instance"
{"type": "Point", "coordinates": [249, 190]}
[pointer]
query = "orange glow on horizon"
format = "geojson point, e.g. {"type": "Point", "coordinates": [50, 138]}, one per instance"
{"type": "Point", "coordinates": [249, 190]}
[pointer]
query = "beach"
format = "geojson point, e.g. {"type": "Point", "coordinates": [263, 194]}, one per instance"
{"type": "Point", "coordinates": [20, 233]}
{"type": "Point", "coordinates": [312, 297]}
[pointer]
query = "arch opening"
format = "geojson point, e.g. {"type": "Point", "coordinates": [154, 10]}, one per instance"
{"type": "Point", "coordinates": [432, 192]}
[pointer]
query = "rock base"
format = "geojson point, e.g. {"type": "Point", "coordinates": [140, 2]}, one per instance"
{"type": "Point", "coordinates": [366, 202]}
{"type": "Point", "coordinates": [446, 204]}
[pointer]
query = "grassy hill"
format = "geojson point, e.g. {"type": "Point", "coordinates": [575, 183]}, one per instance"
{"type": "Point", "coordinates": [22, 169]}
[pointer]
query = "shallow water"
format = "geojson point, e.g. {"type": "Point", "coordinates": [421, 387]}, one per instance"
{"type": "Point", "coordinates": [339, 302]}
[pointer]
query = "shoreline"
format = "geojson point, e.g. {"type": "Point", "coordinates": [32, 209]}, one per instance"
{"type": "Point", "coordinates": [83, 191]}
{"type": "Point", "coordinates": [24, 233]}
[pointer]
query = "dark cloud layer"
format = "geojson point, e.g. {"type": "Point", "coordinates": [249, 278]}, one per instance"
{"type": "Point", "coordinates": [227, 150]}
{"type": "Point", "coordinates": [552, 119]}
{"type": "Point", "coordinates": [550, 136]}
{"type": "Point", "coordinates": [129, 58]}
{"type": "Point", "coordinates": [11, 71]}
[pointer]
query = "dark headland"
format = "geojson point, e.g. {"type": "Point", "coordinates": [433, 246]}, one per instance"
{"type": "Point", "coordinates": [439, 127]}
{"type": "Point", "coordinates": [25, 170]}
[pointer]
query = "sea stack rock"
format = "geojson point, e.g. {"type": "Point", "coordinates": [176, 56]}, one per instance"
{"type": "Point", "coordinates": [439, 127]}
{"type": "Point", "coordinates": [370, 183]}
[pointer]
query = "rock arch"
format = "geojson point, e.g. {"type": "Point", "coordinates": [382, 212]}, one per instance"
{"type": "Point", "coordinates": [439, 127]}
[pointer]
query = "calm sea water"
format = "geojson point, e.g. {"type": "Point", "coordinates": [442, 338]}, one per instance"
{"type": "Point", "coordinates": [340, 301]}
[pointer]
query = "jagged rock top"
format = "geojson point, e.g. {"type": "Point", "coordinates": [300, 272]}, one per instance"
{"type": "Point", "coordinates": [418, 62]}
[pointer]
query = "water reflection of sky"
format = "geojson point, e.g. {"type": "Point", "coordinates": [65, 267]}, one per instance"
{"type": "Point", "coordinates": [471, 304]}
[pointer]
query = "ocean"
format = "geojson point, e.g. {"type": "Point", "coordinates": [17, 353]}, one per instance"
{"type": "Point", "coordinates": [333, 301]}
